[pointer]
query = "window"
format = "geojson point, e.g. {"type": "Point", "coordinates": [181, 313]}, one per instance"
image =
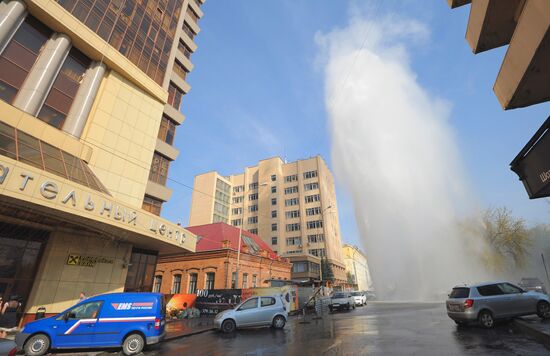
{"type": "Point", "coordinates": [274, 240]}
{"type": "Point", "coordinates": [313, 211]}
{"type": "Point", "coordinates": [310, 174]}
{"type": "Point", "coordinates": [220, 209]}
{"type": "Point", "coordinates": [254, 281]}
{"type": "Point", "coordinates": [237, 200]}
{"type": "Point", "coordinates": [291, 178]}
{"type": "Point", "coordinates": [250, 304]}
{"type": "Point", "coordinates": [218, 218]}
{"type": "Point", "coordinates": [317, 224]}
{"type": "Point", "coordinates": [152, 205]}
{"type": "Point", "coordinates": [210, 276]}
{"type": "Point", "coordinates": [508, 288]}
{"type": "Point", "coordinates": [185, 49]}
{"type": "Point", "coordinates": [19, 56]}
{"type": "Point", "coordinates": [176, 284]}
{"type": "Point", "coordinates": [167, 130]}
{"type": "Point", "coordinates": [156, 284]}
{"type": "Point", "coordinates": [311, 186]}
{"type": "Point", "coordinates": [233, 280]}
{"type": "Point", "coordinates": [273, 213]}
{"type": "Point", "coordinates": [180, 70]}
{"type": "Point", "coordinates": [83, 311]}
{"type": "Point", "coordinates": [318, 252]}
{"type": "Point", "coordinates": [253, 208]}
{"type": "Point", "coordinates": [274, 227]}
{"type": "Point", "coordinates": [291, 202]}
{"type": "Point", "coordinates": [253, 231]}
{"type": "Point", "coordinates": [489, 290]}
{"type": "Point", "coordinates": [253, 220]}
{"type": "Point", "coordinates": [293, 227]}
{"type": "Point", "coordinates": [237, 222]}
{"type": "Point", "coordinates": [253, 196]}
{"type": "Point", "coordinates": [293, 241]}
{"type": "Point", "coordinates": [188, 30]}
{"type": "Point", "coordinates": [267, 301]}
{"type": "Point", "coordinates": [174, 96]}
{"type": "Point", "coordinates": [292, 214]}
{"type": "Point", "coordinates": [237, 211]}
{"type": "Point", "coordinates": [291, 190]}
{"type": "Point", "coordinates": [273, 177]}
{"type": "Point", "coordinates": [273, 201]}
{"type": "Point", "coordinates": [159, 169]}
{"type": "Point", "coordinates": [316, 238]}
{"type": "Point", "coordinates": [238, 189]}
{"type": "Point", "coordinates": [298, 267]}
{"type": "Point", "coordinates": [253, 185]}
{"type": "Point", "coordinates": [245, 280]}
{"type": "Point", "coordinates": [291, 252]}
{"type": "Point", "coordinates": [192, 283]}
{"type": "Point", "coordinates": [60, 98]}
{"type": "Point", "coordinates": [192, 14]}
{"type": "Point", "coordinates": [312, 198]}
{"type": "Point", "coordinates": [273, 189]}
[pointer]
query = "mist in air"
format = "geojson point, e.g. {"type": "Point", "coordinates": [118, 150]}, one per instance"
{"type": "Point", "coordinates": [394, 151]}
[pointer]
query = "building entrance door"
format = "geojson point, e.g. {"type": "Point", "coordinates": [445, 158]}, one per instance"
{"type": "Point", "coordinates": [20, 252]}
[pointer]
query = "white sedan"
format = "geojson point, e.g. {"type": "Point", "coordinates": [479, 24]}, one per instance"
{"type": "Point", "coordinates": [360, 298]}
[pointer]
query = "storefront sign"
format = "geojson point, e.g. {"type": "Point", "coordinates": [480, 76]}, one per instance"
{"type": "Point", "coordinates": [37, 185]}
{"type": "Point", "coordinates": [532, 164]}
{"type": "Point", "coordinates": [87, 261]}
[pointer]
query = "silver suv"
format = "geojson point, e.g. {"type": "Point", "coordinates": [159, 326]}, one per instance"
{"type": "Point", "coordinates": [487, 302]}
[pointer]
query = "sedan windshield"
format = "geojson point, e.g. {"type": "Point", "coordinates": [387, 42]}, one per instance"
{"type": "Point", "coordinates": [356, 294]}
{"type": "Point", "coordinates": [339, 295]}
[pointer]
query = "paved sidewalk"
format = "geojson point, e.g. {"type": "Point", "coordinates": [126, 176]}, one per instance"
{"type": "Point", "coordinates": [535, 327]}
{"type": "Point", "coordinates": [186, 327]}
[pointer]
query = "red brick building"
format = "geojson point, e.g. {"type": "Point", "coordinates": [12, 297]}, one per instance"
{"type": "Point", "coordinates": [214, 264]}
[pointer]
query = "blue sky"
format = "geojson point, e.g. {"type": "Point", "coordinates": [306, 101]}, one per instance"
{"type": "Point", "coordinates": [257, 91]}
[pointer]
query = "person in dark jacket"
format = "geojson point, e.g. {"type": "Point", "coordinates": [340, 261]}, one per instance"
{"type": "Point", "coordinates": [8, 319]}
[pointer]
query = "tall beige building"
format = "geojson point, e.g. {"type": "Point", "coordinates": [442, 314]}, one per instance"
{"type": "Point", "coordinates": [291, 206]}
{"type": "Point", "coordinates": [357, 267]}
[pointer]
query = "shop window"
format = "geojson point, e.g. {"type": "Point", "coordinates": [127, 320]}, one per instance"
{"type": "Point", "coordinates": [210, 278]}
{"type": "Point", "coordinates": [152, 205]}
{"type": "Point", "coordinates": [159, 169]}
{"type": "Point", "coordinates": [20, 55]}
{"type": "Point", "coordinates": [157, 284]}
{"type": "Point", "coordinates": [192, 283]}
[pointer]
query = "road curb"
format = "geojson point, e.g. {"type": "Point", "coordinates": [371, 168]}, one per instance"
{"type": "Point", "coordinates": [533, 331]}
{"type": "Point", "coordinates": [170, 338]}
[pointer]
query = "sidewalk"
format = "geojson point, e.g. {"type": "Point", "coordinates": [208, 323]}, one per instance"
{"type": "Point", "coordinates": [535, 327]}
{"type": "Point", "coordinates": [185, 327]}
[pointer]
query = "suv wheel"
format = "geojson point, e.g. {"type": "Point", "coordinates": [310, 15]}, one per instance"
{"type": "Point", "coordinates": [486, 320]}
{"type": "Point", "coordinates": [279, 322]}
{"type": "Point", "coordinates": [543, 309]}
{"type": "Point", "coordinates": [133, 344]}
{"type": "Point", "coordinates": [37, 345]}
{"type": "Point", "coordinates": [228, 326]}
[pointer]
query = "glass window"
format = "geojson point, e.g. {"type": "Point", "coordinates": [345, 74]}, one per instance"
{"type": "Point", "coordinates": [460, 293]}
{"type": "Point", "coordinates": [249, 304]}
{"type": "Point", "coordinates": [273, 213]}
{"type": "Point", "coordinates": [489, 290]}
{"type": "Point", "coordinates": [176, 284]}
{"type": "Point", "coordinates": [233, 280]}
{"type": "Point", "coordinates": [274, 227]}
{"type": "Point", "coordinates": [508, 288]}
{"type": "Point", "coordinates": [210, 277]}
{"type": "Point", "coordinates": [192, 283]}
{"type": "Point", "coordinates": [84, 311]}
{"type": "Point", "coordinates": [157, 284]}
{"type": "Point", "coordinates": [7, 141]}
{"type": "Point", "coordinates": [152, 205]}
{"type": "Point", "coordinates": [273, 189]}
{"type": "Point", "coordinates": [273, 177]}
{"type": "Point", "coordinates": [29, 150]}
{"type": "Point", "coordinates": [174, 96]}
{"type": "Point", "coordinates": [273, 201]}
{"type": "Point", "coordinates": [274, 240]}
{"type": "Point", "coordinates": [159, 169]}
{"type": "Point", "coordinates": [245, 280]}
{"type": "Point", "coordinates": [254, 281]}
{"type": "Point", "coordinates": [267, 301]}
{"type": "Point", "coordinates": [167, 130]}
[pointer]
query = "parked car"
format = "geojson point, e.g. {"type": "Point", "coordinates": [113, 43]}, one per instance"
{"type": "Point", "coordinates": [488, 302]}
{"type": "Point", "coordinates": [359, 298]}
{"type": "Point", "coordinates": [341, 300]}
{"type": "Point", "coordinates": [255, 311]}
{"type": "Point", "coordinates": [533, 284]}
{"type": "Point", "coordinates": [7, 347]}
{"type": "Point", "coordinates": [127, 320]}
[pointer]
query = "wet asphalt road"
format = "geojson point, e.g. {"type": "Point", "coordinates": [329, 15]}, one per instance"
{"type": "Point", "coordinates": [378, 329]}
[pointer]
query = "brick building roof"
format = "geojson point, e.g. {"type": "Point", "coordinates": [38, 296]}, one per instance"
{"type": "Point", "coordinates": [210, 237]}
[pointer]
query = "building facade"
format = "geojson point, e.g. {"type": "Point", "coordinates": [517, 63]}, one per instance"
{"type": "Point", "coordinates": [214, 264]}
{"type": "Point", "coordinates": [291, 206]}
{"type": "Point", "coordinates": [90, 95]}
{"type": "Point", "coordinates": [357, 268]}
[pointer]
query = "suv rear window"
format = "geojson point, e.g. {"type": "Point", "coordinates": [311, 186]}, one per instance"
{"type": "Point", "coordinates": [460, 293]}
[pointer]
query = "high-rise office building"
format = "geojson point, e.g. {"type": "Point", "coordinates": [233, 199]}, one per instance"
{"type": "Point", "coordinates": [291, 206]}
{"type": "Point", "coordinates": [90, 96]}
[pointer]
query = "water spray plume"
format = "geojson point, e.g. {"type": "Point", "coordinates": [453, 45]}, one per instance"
{"type": "Point", "coordinates": [394, 150]}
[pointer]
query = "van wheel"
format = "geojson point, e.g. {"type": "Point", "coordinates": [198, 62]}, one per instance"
{"type": "Point", "coordinates": [543, 309]}
{"type": "Point", "coordinates": [37, 345]}
{"type": "Point", "coordinates": [279, 322]}
{"type": "Point", "coordinates": [133, 344]}
{"type": "Point", "coordinates": [228, 326]}
{"type": "Point", "coordinates": [486, 320]}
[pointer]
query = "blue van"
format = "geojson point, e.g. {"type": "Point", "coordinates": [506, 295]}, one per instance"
{"type": "Point", "coordinates": [127, 320]}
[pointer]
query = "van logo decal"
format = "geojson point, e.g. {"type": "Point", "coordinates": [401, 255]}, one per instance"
{"type": "Point", "coordinates": [132, 306]}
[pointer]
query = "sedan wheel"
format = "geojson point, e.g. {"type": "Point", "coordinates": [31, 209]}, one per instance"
{"type": "Point", "coordinates": [279, 322]}
{"type": "Point", "coordinates": [228, 326]}
{"type": "Point", "coordinates": [486, 319]}
{"type": "Point", "coordinates": [543, 309]}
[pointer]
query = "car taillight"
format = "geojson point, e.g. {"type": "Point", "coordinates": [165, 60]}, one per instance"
{"type": "Point", "coordinates": [13, 352]}
{"type": "Point", "coordinates": [157, 324]}
{"type": "Point", "coordinates": [468, 303]}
